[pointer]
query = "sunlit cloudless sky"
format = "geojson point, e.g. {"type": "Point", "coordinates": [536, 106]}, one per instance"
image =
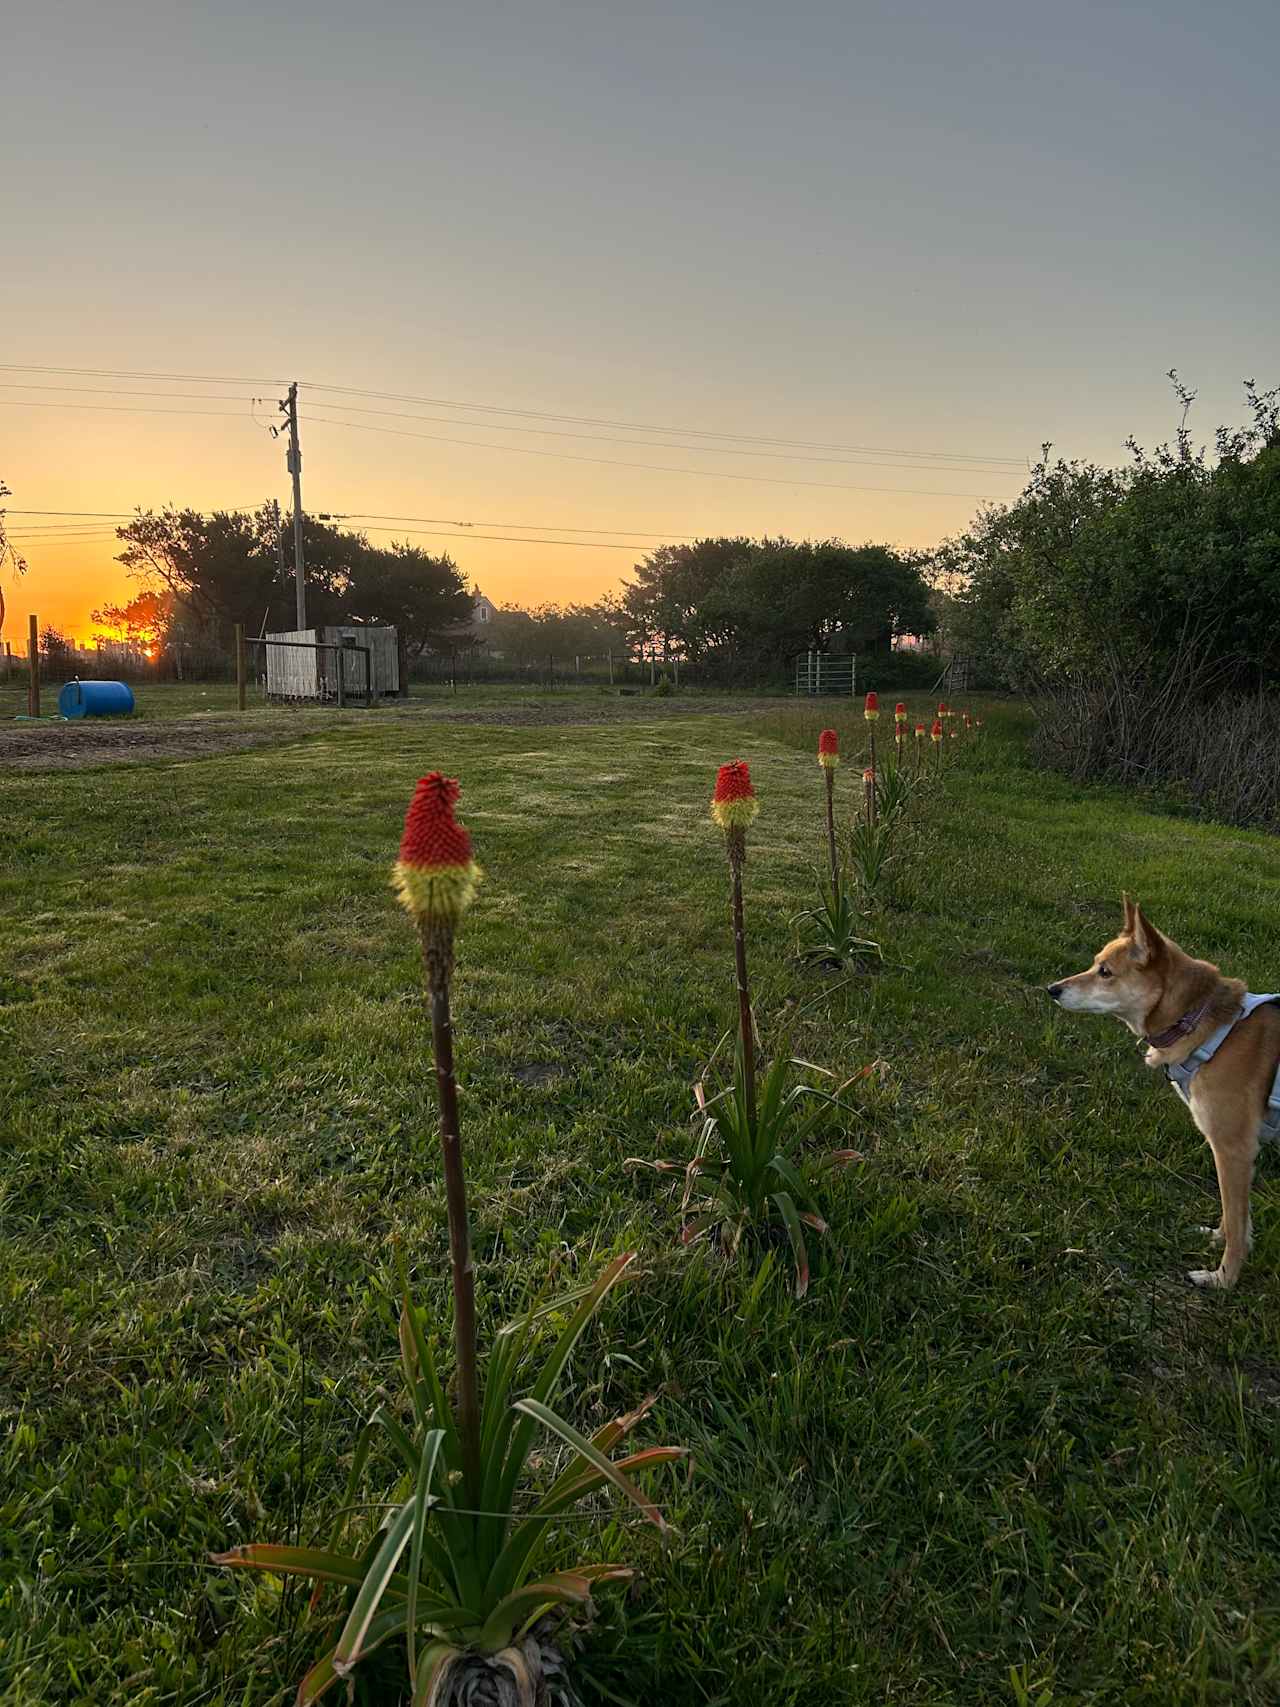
{"type": "Point", "coordinates": [915, 225]}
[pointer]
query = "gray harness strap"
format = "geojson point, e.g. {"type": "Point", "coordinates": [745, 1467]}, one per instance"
{"type": "Point", "coordinates": [1181, 1073]}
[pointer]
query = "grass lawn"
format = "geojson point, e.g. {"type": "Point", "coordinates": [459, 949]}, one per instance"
{"type": "Point", "coordinates": [1001, 1453]}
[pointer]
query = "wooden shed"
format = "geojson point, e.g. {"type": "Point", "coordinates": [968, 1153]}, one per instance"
{"type": "Point", "coordinates": [302, 665]}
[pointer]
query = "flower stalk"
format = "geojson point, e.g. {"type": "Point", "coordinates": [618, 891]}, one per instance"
{"type": "Point", "coordinates": [829, 759]}
{"type": "Point", "coordinates": [435, 878]}
{"type": "Point", "coordinates": [871, 711]}
{"type": "Point", "coordinates": [734, 806]}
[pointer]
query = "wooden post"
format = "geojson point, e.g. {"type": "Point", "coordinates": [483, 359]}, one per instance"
{"type": "Point", "coordinates": [240, 670]}
{"type": "Point", "coordinates": [611, 666]}
{"type": "Point", "coordinates": [33, 665]}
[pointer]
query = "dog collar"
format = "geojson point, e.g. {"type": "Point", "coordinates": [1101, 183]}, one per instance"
{"type": "Point", "coordinates": [1180, 1028]}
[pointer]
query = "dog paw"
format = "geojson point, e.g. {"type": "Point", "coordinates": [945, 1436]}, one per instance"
{"type": "Point", "coordinates": [1208, 1277]}
{"type": "Point", "coordinates": [1215, 1235]}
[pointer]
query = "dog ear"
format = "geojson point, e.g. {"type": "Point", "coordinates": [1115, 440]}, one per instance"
{"type": "Point", "coordinates": [1128, 914]}
{"type": "Point", "coordinates": [1147, 941]}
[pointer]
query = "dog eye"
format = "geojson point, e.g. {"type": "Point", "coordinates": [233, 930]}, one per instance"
{"type": "Point", "coordinates": [1104, 971]}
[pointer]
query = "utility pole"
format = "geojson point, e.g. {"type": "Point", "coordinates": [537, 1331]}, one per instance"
{"type": "Point", "coordinates": [293, 462]}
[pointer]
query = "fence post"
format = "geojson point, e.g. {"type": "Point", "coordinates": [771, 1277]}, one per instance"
{"type": "Point", "coordinates": [240, 672]}
{"type": "Point", "coordinates": [33, 664]}
{"type": "Point", "coordinates": [611, 666]}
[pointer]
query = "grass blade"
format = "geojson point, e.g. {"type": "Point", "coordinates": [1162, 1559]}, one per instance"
{"type": "Point", "coordinates": [372, 1589]}
{"type": "Point", "coordinates": [548, 1418]}
{"type": "Point", "coordinates": [795, 1232]}
{"type": "Point", "coordinates": [423, 1500]}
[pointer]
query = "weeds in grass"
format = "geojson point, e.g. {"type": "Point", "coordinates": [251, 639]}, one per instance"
{"type": "Point", "coordinates": [893, 790]}
{"type": "Point", "coordinates": [745, 1175]}
{"type": "Point", "coordinates": [832, 930]}
{"type": "Point", "coordinates": [871, 853]}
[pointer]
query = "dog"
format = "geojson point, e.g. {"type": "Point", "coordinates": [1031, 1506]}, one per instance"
{"type": "Point", "coordinates": [1219, 1046]}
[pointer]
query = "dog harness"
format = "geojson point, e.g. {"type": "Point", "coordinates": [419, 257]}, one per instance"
{"type": "Point", "coordinates": [1181, 1073]}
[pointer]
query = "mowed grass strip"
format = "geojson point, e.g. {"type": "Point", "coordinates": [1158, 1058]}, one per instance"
{"type": "Point", "coordinates": [1001, 1452]}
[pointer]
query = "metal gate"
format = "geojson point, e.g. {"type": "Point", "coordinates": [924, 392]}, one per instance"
{"type": "Point", "coordinates": [820, 672]}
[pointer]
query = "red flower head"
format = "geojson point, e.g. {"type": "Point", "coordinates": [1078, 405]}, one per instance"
{"type": "Point", "coordinates": [944, 710]}
{"type": "Point", "coordinates": [871, 708]}
{"type": "Point", "coordinates": [734, 803]}
{"type": "Point", "coordinates": [435, 875]}
{"type": "Point", "coordinates": [935, 734]}
{"type": "Point", "coordinates": [900, 712]}
{"type": "Point", "coordinates": [828, 749]}
{"type": "Point", "coordinates": [869, 778]}
{"type": "Point", "coordinates": [919, 731]}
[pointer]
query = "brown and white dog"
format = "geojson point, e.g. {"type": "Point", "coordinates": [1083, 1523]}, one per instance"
{"type": "Point", "coordinates": [1178, 1004]}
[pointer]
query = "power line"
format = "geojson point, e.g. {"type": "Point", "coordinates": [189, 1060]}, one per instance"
{"type": "Point", "coordinates": [965, 467]}
{"type": "Point", "coordinates": [651, 427]}
{"type": "Point", "coordinates": [136, 373]}
{"type": "Point", "coordinates": [962, 463]}
{"type": "Point", "coordinates": [514, 539]}
{"type": "Point", "coordinates": [120, 409]}
{"type": "Point", "coordinates": [547, 527]}
{"type": "Point", "coordinates": [654, 467]}
{"type": "Point", "coordinates": [114, 391]}
{"type": "Point", "coordinates": [527, 414]}
{"type": "Point", "coordinates": [132, 515]}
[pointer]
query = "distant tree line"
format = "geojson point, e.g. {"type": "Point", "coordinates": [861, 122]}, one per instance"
{"type": "Point", "coordinates": [758, 602]}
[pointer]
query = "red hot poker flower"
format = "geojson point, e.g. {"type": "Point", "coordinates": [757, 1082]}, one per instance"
{"type": "Point", "coordinates": [900, 712]}
{"type": "Point", "coordinates": [435, 875]}
{"type": "Point", "coordinates": [734, 803]}
{"type": "Point", "coordinates": [919, 731]}
{"type": "Point", "coordinates": [828, 749]}
{"type": "Point", "coordinates": [871, 707]}
{"type": "Point", "coordinates": [935, 734]}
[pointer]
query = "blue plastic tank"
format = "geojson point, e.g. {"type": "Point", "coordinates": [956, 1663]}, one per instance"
{"type": "Point", "coordinates": [96, 699]}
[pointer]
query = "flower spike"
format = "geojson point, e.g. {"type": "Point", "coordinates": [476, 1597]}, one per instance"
{"type": "Point", "coordinates": [435, 875]}
{"type": "Point", "coordinates": [828, 749]}
{"type": "Point", "coordinates": [871, 707]}
{"type": "Point", "coordinates": [734, 803]}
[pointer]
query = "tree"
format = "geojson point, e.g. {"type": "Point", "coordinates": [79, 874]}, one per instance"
{"type": "Point", "coordinates": [8, 552]}
{"type": "Point", "coordinates": [665, 602]}
{"type": "Point", "coordinates": [55, 650]}
{"type": "Point", "coordinates": [143, 622]}
{"type": "Point", "coordinates": [220, 568]}
{"type": "Point", "coordinates": [420, 596]}
{"type": "Point", "coordinates": [1091, 562]}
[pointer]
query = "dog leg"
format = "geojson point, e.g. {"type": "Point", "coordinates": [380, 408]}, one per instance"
{"type": "Point", "coordinates": [1234, 1158]}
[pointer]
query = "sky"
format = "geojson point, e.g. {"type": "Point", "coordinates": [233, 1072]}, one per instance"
{"type": "Point", "coordinates": [920, 237]}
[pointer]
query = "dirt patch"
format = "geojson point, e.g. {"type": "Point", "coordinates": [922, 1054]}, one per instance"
{"type": "Point", "coordinates": [548, 714]}
{"type": "Point", "coordinates": [87, 742]}
{"type": "Point", "coordinates": [82, 744]}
